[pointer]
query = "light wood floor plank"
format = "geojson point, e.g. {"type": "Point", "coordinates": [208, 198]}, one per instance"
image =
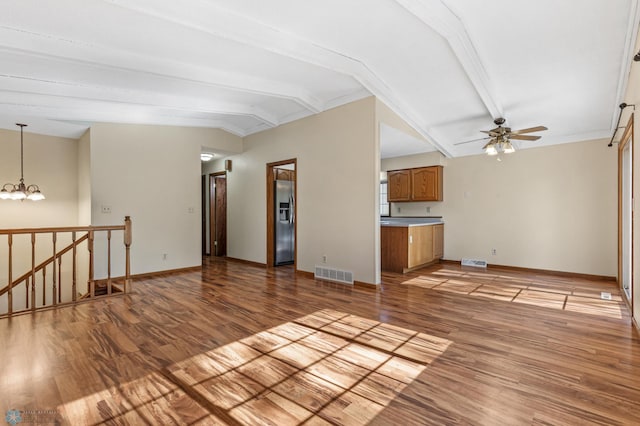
{"type": "Point", "coordinates": [237, 344]}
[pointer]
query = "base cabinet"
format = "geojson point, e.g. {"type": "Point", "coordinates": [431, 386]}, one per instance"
{"type": "Point", "coordinates": [438, 241]}
{"type": "Point", "coordinates": [420, 245]}
{"type": "Point", "coordinates": [411, 247]}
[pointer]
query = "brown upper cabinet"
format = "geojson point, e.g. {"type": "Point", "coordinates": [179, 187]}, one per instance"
{"type": "Point", "coordinates": [399, 185]}
{"type": "Point", "coordinates": [285, 174]}
{"type": "Point", "coordinates": [420, 184]}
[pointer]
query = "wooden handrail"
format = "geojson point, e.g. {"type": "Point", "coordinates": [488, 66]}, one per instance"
{"type": "Point", "coordinates": [43, 264]}
{"type": "Point", "coordinates": [62, 229]}
{"type": "Point", "coordinates": [52, 284]}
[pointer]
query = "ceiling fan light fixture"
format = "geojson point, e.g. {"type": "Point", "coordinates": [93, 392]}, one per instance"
{"type": "Point", "coordinates": [500, 137]}
{"type": "Point", "coordinates": [490, 148]}
{"type": "Point", "coordinates": [508, 148]}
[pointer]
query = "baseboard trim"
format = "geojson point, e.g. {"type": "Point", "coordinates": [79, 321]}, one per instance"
{"type": "Point", "coordinates": [246, 262]}
{"type": "Point", "coordinates": [366, 286]}
{"type": "Point", "coordinates": [148, 275]}
{"type": "Point", "coordinates": [635, 323]}
{"type": "Point", "coordinates": [155, 274]}
{"type": "Point", "coordinates": [541, 271]}
{"type": "Point", "coordinates": [305, 274]}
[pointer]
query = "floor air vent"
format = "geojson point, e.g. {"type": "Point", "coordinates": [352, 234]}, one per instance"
{"type": "Point", "coordinates": [478, 263]}
{"type": "Point", "coordinates": [331, 274]}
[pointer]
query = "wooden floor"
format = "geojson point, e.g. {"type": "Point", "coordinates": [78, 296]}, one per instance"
{"type": "Point", "coordinates": [237, 344]}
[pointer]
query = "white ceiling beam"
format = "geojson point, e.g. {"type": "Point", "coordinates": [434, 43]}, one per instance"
{"type": "Point", "coordinates": [71, 109]}
{"type": "Point", "coordinates": [43, 126]}
{"type": "Point", "coordinates": [15, 40]}
{"type": "Point", "coordinates": [441, 19]}
{"type": "Point", "coordinates": [96, 94]}
{"type": "Point", "coordinates": [212, 19]}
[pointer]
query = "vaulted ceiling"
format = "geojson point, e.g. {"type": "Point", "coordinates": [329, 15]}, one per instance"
{"type": "Point", "coordinates": [448, 67]}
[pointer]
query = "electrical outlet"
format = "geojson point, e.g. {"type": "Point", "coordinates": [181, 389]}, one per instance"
{"type": "Point", "coordinates": [494, 252]}
{"type": "Point", "coordinates": [324, 258]}
{"type": "Point", "coordinates": [399, 209]}
{"type": "Point", "coordinates": [164, 256]}
{"type": "Point", "coordinates": [106, 209]}
{"type": "Point", "coordinates": [191, 210]}
{"type": "Point", "coordinates": [428, 209]}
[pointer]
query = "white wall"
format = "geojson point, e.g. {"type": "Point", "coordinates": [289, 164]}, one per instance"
{"type": "Point", "coordinates": [337, 176]}
{"type": "Point", "coordinates": [152, 173]}
{"type": "Point", "coordinates": [386, 115]}
{"type": "Point", "coordinates": [84, 179]}
{"type": "Point", "coordinates": [49, 162]}
{"type": "Point", "coordinates": [551, 208]}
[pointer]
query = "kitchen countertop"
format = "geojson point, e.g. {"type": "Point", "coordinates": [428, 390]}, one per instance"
{"type": "Point", "coordinates": [410, 221]}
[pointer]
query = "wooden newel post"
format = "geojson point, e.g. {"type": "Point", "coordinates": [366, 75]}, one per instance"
{"type": "Point", "coordinates": [10, 296]}
{"type": "Point", "coordinates": [55, 269]}
{"type": "Point", "coordinates": [92, 287]}
{"type": "Point", "coordinates": [127, 245]}
{"type": "Point", "coordinates": [33, 271]}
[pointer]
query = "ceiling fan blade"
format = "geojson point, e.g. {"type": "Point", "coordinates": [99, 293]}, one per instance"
{"type": "Point", "coordinates": [490, 132]}
{"type": "Point", "coordinates": [473, 140]}
{"type": "Point", "coordinates": [529, 130]}
{"type": "Point", "coordinates": [524, 137]}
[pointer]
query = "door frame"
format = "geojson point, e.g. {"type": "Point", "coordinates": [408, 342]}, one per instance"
{"type": "Point", "coordinates": [212, 209]}
{"type": "Point", "coordinates": [270, 178]}
{"type": "Point", "coordinates": [627, 138]}
{"type": "Point", "coordinates": [204, 190]}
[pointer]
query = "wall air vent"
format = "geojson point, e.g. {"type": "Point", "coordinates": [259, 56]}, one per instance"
{"type": "Point", "coordinates": [478, 263]}
{"type": "Point", "coordinates": [332, 274]}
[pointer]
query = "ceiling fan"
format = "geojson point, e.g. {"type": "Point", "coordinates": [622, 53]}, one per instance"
{"type": "Point", "coordinates": [500, 137]}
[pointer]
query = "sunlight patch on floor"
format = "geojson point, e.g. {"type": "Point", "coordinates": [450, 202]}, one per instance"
{"type": "Point", "coordinates": [520, 290]}
{"type": "Point", "coordinates": [328, 367]}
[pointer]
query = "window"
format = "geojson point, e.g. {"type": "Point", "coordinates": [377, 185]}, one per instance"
{"type": "Point", "coordinates": [384, 203]}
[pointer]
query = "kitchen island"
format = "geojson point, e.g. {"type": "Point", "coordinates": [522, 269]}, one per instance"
{"type": "Point", "coordinates": [410, 243]}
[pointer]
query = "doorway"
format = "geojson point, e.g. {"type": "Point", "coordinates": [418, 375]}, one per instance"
{"type": "Point", "coordinates": [218, 214]}
{"type": "Point", "coordinates": [625, 213]}
{"type": "Point", "coordinates": [282, 214]}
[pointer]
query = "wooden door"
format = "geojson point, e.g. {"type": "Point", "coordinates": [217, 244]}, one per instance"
{"type": "Point", "coordinates": [398, 185]}
{"type": "Point", "coordinates": [220, 232]}
{"type": "Point", "coordinates": [426, 184]}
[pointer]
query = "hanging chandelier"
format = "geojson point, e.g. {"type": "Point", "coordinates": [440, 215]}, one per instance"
{"type": "Point", "coordinates": [21, 191]}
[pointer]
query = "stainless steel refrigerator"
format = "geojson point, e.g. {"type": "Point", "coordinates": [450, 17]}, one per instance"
{"type": "Point", "coordinates": [284, 222]}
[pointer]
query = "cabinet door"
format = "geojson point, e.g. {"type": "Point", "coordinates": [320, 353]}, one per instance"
{"type": "Point", "coordinates": [438, 241]}
{"type": "Point", "coordinates": [426, 184]}
{"type": "Point", "coordinates": [420, 245]}
{"type": "Point", "coordinates": [399, 185]}
{"type": "Point", "coordinates": [394, 248]}
{"type": "Point", "coordinates": [284, 174]}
